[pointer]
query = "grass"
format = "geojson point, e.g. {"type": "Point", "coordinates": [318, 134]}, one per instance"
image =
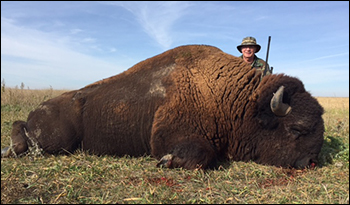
{"type": "Point", "coordinates": [85, 178]}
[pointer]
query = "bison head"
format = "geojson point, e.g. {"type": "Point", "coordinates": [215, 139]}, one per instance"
{"type": "Point", "coordinates": [291, 125]}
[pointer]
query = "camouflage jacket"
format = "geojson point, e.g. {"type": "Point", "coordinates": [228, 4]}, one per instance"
{"type": "Point", "coordinates": [259, 65]}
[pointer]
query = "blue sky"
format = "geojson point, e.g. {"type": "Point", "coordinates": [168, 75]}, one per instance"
{"type": "Point", "coordinates": [68, 45]}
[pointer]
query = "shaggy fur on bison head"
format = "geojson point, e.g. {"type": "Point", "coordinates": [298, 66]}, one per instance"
{"type": "Point", "coordinates": [293, 140]}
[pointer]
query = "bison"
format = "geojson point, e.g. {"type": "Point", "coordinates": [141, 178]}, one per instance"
{"type": "Point", "coordinates": [188, 107]}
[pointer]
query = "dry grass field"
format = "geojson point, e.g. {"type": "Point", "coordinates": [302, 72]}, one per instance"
{"type": "Point", "coordinates": [84, 178]}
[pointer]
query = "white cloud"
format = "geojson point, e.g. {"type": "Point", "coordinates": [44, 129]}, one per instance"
{"type": "Point", "coordinates": [28, 54]}
{"type": "Point", "coordinates": [88, 40]}
{"type": "Point", "coordinates": [157, 18]}
{"type": "Point", "coordinates": [75, 31]}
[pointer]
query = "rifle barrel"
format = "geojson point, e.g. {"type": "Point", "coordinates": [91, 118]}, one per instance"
{"type": "Point", "coordinates": [267, 56]}
{"type": "Point", "coordinates": [268, 49]}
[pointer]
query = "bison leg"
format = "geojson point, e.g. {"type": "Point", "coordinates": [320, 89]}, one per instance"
{"type": "Point", "coordinates": [189, 154]}
{"type": "Point", "coordinates": [19, 143]}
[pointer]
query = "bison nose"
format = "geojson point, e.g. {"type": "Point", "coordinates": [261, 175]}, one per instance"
{"type": "Point", "coordinates": [313, 163]}
{"type": "Point", "coordinates": [306, 163]}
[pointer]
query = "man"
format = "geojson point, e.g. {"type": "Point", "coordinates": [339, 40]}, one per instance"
{"type": "Point", "coordinates": [248, 48]}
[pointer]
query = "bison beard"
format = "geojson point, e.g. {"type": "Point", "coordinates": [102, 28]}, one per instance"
{"type": "Point", "coordinates": [187, 107]}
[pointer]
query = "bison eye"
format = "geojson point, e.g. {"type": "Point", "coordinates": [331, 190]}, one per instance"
{"type": "Point", "coordinates": [296, 133]}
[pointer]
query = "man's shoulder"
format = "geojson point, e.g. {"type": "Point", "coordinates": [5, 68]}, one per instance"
{"type": "Point", "coordinates": [259, 62]}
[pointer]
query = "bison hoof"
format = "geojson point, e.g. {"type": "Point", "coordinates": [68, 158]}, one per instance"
{"type": "Point", "coordinates": [5, 152]}
{"type": "Point", "coordinates": [166, 161]}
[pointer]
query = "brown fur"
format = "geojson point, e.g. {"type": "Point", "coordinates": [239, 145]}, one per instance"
{"type": "Point", "coordinates": [194, 102]}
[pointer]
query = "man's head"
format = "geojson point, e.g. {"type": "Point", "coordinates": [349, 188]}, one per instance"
{"type": "Point", "coordinates": [249, 47]}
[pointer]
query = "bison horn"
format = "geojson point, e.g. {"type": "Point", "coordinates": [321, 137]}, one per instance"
{"type": "Point", "coordinates": [277, 106]}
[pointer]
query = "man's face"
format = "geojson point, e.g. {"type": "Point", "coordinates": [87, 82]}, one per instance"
{"type": "Point", "coordinates": [248, 51]}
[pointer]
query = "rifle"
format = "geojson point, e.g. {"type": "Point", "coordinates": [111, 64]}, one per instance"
{"type": "Point", "coordinates": [267, 56]}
